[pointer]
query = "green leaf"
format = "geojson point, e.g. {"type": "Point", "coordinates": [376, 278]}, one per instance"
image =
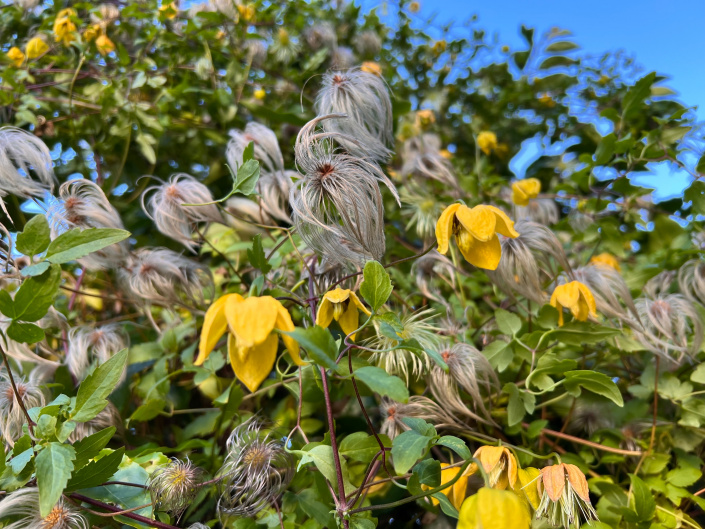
{"type": "Point", "coordinates": [54, 465]}
{"type": "Point", "coordinates": [696, 194]}
{"type": "Point", "coordinates": [359, 446]}
{"type": "Point", "coordinates": [36, 295]}
{"type": "Point", "coordinates": [308, 500]}
{"type": "Point", "coordinates": [557, 60]}
{"type": "Point", "coordinates": [25, 332]}
{"type": "Point", "coordinates": [561, 46]}
{"type": "Point", "coordinates": [508, 322]}
{"type": "Point", "coordinates": [322, 457]}
{"type": "Point", "coordinates": [407, 448]}
{"type": "Point", "coordinates": [97, 472]}
{"type": "Point", "coordinates": [500, 354]}
{"type": "Point", "coordinates": [382, 383]}
{"type": "Point", "coordinates": [249, 152]}
{"type": "Point", "coordinates": [605, 149]}
{"type": "Point", "coordinates": [636, 95]}
{"type": "Point", "coordinates": [644, 503]}
{"type": "Point", "coordinates": [319, 344]}
{"type": "Point", "coordinates": [145, 142]}
{"type": "Point", "coordinates": [247, 177]}
{"type": "Point", "coordinates": [35, 269]}
{"type": "Point", "coordinates": [419, 425]}
{"type": "Point", "coordinates": [78, 243]}
{"type": "Point", "coordinates": [428, 472]}
{"type": "Point", "coordinates": [593, 381]}
{"type": "Point", "coordinates": [94, 390]}
{"type": "Point", "coordinates": [457, 445]}
{"type": "Point", "coordinates": [697, 376]}
{"type": "Point", "coordinates": [376, 286]}
{"type": "Point", "coordinates": [446, 506]}
{"type": "Point", "coordinates": [256, 255]}
{"type": "Point", "coordinates": [683, 476]}
{"type": "Point", "coordinates": [520, 402]}
{"type": "Point", "coordinates": [580, 332]}
{"type": "Point", "coordinates": [89, 447]}
{"type": "Point", "coordinates": [7, 305]}
{"type": "Point", "coordinates": [36, 236]}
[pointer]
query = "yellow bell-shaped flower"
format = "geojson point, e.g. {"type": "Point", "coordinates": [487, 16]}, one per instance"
{"type": "Point", "coordinates": [525, 190]}
{"type": "Point", "coordinates": [605, 259]}
{"type": "Point", "coordinates": [252, 342]}
{"type": "Point", "coordinates": [494, 509]}
{"type": "Point", "coordinates": [499, 464]}
{"type": "Point", "coordinates": [36, 47]}
{"type": "Point", "coordinates": [475, 231]}
{"type": "Point", "coordinates": [104, 45]}
{"type": "Point", "coordinates": [456, 492]}
{"type": "Point", "coordinates": [341, 305]}
{"type": "Point", "coordinates": [487, 141]}
{"type": "Point", "coordinates": [371, 67]}
{"type": "Point", "coordinates": [576, 297]}
{"type": "Point", "coordinates": [64, 28]}
{"type": "Point", "coordinates": [16, 56]}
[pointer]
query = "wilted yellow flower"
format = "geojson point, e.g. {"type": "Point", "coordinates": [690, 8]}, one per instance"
{"type": "Point", "coordinates": [169, 11]}
{"type": "Point", "coordinates": [64, 28]}
{"type": "Point", "coordinates": [475, 231]}
{"type": "Point", "coordinates": [576, 297]}
{"type": "Point", "coordinates": [247, 12]}
{"type": "Point", "coordinates": [494, 509]}
{"type": "Point", "coordinates": [16, 56]}
{"type": "Point", "coordinates": [414, 7]}
{"type": "Point", "coordinates": [104, 45]}
{"type": "Point", "coordinates": [341, 305]}
{"type": "Point", "coordinates": [499, 464]}
{"type": "Point", "coordinates": [439, 47]}
{"type": "Point", "coordinates": [252, 342]}
{"type": "Point", "coordinates": [91, 32]}
{"type": "Point", "coordinates": [371, 67]}
{"type": "Point", "coordinates": [606, 259]}
{"type": "Point", "coordinates": [564, 496]}
{"type": "Point", "coordinates": [425, 118]}
{"type": "Point", "coordinates": [36, 47]}
{"type": "Point", "coordinates": [487, 141]}
{"type": "Point", "coordinates": [456, 492]}
{"type": "Point", "coordinates": [525, 190]}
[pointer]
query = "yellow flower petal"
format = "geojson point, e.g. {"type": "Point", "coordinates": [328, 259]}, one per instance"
{"type": "Point", "coordinates": [528, 485]}
{"type": "Point", "coordinates": [444, 227]}
{"type": "Point", "coordinates": [494, 509]}
{"type": "Point", "coordinates": [603, 259]}
{"type": "Point", "coordinates": [36, 47]}
{"type": "Point", "coordinates": [325, 313]}
{"type": "Point", "coordinates": [525, 190]}
{"type": "Point", "coordinates": [16, 56]}
{"type": "Point", "coordinates": [503, 224]}
{"type": "Point", "coordinates": [482, 254]}
{"type": "Point", "coordinates": [553, 481]}
{"type": "Point", "coordinates": [214, 326]}
{"type": "Point", "coordinates": [358, 303]}
{"type": "Point", "coordinates": [578, 481]}
{"type": "Point", "coordinates": [252, 320]}
{"type": "Point", "coordinates": [253, 364]}
{"type": "Point", "coordinates": [567, 295]}
{"type": "Point", "coordinates": [284, 323]}
{"type": "Point", "coordinates": [338, 295]}
{"type": "Point", "coordinates": [349, 321]}
{"type": "Point", "coordinates": [586, 294]}
{"type": "Point", "coordinates": [480, 221]}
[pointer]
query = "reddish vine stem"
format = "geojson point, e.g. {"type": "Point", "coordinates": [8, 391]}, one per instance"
{"type": "Point", "coordinates": [30, 422]}
{"type": "Point", "coordinates": [133, 516]}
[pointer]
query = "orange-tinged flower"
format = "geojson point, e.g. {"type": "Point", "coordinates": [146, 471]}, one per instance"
{"type": "Point", "coordinates": [371, 67]}
{"type": "Point", "coordinates": [494, 509]}
{"type": "Point", "coordinates": [525, 190]}
{"type": "Point", "coordinates": [16, 56]}
{"type": "Point", "coordinates": [475, 230]}
{"type": "Point", "coordinates": [104, 44]}
{"type": "Point", "coordinates": [456, 492]}
{"type": "Point", "coordinates": [341, 305]}
{"type": "Point", "coordinates": [499, 464]}
{"type": "Point", "coordinates": [576, 297]}
{"type": "Point", "coordinates": [487, 141]}
{"type": "Point", "coordinates": [252, 342]}
{"type": "Point", "coordinates": [565, 497]}
{"type": "Point", "coordinates": [36, 47]}
{"type": "Point", "coordinates": [606, 259]}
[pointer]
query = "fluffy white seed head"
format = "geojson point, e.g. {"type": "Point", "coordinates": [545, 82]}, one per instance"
{"type": "Point", "coordinates": [12, 416]}
{"type": "Point", "coordinates": [611, 293]}
{"type": "Point", "coordinates": [430, 269]}
{"type": "Point", "coordinates": [422, 159]}
{"type": "Point", "coordinates": [342, 58]}
{"type": "Point", "coordinates": [174, 486]}
{"type": "Point", "coordinates": [691, 280]}
{"type": "Point", "coordinates": [22, 156]}
{"type": "Point", "coordinates": [364, 98]}
{"type": "Point", "coordinates": [24, 505]}
{"type": "Point", "coordinates": [419, 407]}
{"type": "Point", "coordinates": [321, 35]}
{"type": "Point", "coordinates": [368, 44]}
{"type": "Point", "coordinates": [89, 345]}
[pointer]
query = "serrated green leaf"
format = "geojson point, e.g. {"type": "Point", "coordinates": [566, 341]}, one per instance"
{"type": "Point", "coordinates": [94, 390]}
{"type": "Point", "coordinates": [78, 243]}
{"type": "Point", "coordinates": [508, 322]}
{"type": "Point", "coordinates": [36, 236]}
{"type": "Point", "coordinates": [376, 286]}
{"type": "Point", "coordinates": [97, 472]}
{"type": "Point", "coordinates": [407, 448]}
{"type": "Point", "coordinates": [25, 332]}
{"type": "Point", "coordinates": [256, 255]}
{"type": "Point", "coordinates": [54, 465]}
{"type": "Point", "coordinates": [89, 447]}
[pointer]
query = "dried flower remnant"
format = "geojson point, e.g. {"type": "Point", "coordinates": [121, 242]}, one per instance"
{"type": "Point", "coordinates": [368, 44]}
{"type": "Point", "coordinates": [364, 99]}
{"type": "Point", "coordinates": [611, 293]}
{"type": "Point", "coordinates": [565, 498]}
{"type": "Point", "coordinates": [321, 35]}
{"type": "Point", "coordinates": [89, 345]}
{"type": "Point", "coordinates": [424, 158]}
{"type": "Point", "coordinates": [430, 267]}
{"type": "Point", "coordinates": [106, 418]}
{"type": "Point", "coordinates": [166, 205]}
{"type": "Point", "coordinates": [12, 417]}
{"type": "Point", "coordinates": [22, 155]}
{"type": "Point", "coordinates": [23, 504]}
{"type": "Point", "coordinates": [476, 233]}
{"type": "Point", "coordinates": [337, 205]}
{"type": "Point", "coordinates": [574, 296]}
{"type": "Point", "coordinates": [420, 407]}
{"type": "Point", "coordinates": [174, 486]}
{"type": "Point", "coordinates": [540, 210]}
{"type": "Point", "coordinates": [256, 470]}
{"type": "Point", "coordinates": [691, 280]}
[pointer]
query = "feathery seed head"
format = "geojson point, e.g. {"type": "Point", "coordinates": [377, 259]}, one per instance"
{"type": "Point", "coordinates": [368, 44]}
{"type": "Point", "coordinates": [423, 157]}
{"type": "Point", "coordinates": [420, 407]}
{"type": "Point", "coordinates": [321, 35]}
{"type": "Point", "coordinates": [174, 486]}
{"type": "Point", "coordinates": [24, 504]}
{"type": "Point", "coordinates": [22, 155]}
{"type": "Point", "coordinates": [89, 345]}
{"type": "Point", "coordinates": [12, 417]}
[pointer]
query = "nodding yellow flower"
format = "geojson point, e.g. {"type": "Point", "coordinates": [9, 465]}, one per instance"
{"type": "Point", "coordinates": [525, 190]}
{"type": "Point", "coordinates": [425, 118]}
{"type": "Point", "coordinates": [439, 47]}
{"type": "Point", "coordinates": [260, 94]}
{"type": "Point", "coordinates": [606, 259]}
{"type": "Point", "coordinates": [169, 10]}
{"type": "Point", "coordinates": [247, 12]}
{"type": "Point", "coordinates": [371, 67]}
{"type": "Point", "coordinates": [341, 305]}
{"type": "Point", "coordinates": [283, 36]}
{"type": "Point", "coordinates": [528, 485]}
{"type": "Point", "coordinates": [546, 100]}
{"type": "Point", "coordinates": [475, 230]}
{"type": "Point", "coordinates": [252, 342]}
{"type": "Point", "coordinates": [104, 44]}
{"type": "Point", "coordinates": [16, 56]}
{"type": "Point", "coordinates": [494, 509]}
{"type": "Point", "coordinates": [499, 464]}
{"type": "Point", "coordinates": [487, 141]}
{"type": "Point", "coordinates": [565, 497]}
{"type": "Point", "coordinates": [64, 28]}
{"type": "Point", "coordinates": [91, 32]}
{"type": "Point", "coordinates": [36, 47]}
{"type": "Point", "coordinates": [414, 7]}
{"type": "Point", "coordinates": [446, 154]}
{"type": "Point", "coordinates": [576, 297]}
{"type": "Point", "coordinates": [456, 492]}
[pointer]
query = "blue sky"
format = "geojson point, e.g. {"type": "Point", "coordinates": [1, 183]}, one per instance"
{"type": "Point", "coordinates": [667, 37]}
